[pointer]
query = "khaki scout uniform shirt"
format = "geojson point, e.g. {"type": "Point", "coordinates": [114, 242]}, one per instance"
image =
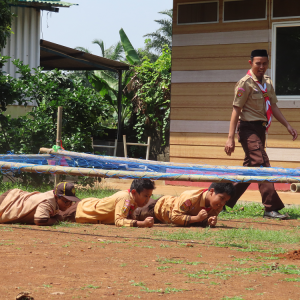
{"type": "Point", "coordinates": [249, 97]}
{"type": "Point", "coordinates": [116, 209]}
{"type": "Point", "coordinates": [24, 207]}
{"type": "Point", "coordinates": [178, 210]}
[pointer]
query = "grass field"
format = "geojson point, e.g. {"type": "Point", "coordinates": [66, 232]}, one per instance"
{"type": "Point", "coordinates": [244, 257]}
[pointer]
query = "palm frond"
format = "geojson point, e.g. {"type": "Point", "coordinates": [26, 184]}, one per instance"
{"type": "Point", "coordinates": [83, 49]}
{"type": "Point", "coordinates": [117, 52]}
{"type": "Point", "coordinates": [100, 43]}
{"type": "Point", "coordinates": [162, 36]}
{"type": "Point", "coordinates": [168, 12]}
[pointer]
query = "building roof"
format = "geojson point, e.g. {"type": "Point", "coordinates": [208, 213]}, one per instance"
{"type": "Point", "coordinates": [55, 56]}
{"type": "Point", "coordinates": [41, 3]}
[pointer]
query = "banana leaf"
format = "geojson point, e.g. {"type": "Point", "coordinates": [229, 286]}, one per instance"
{"type": "Point", "coordinates": [130, 53]}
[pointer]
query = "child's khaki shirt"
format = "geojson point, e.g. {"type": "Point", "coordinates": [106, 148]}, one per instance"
{"type": "Point", "coordinates": [178, 210]}
{"type": "Point", "coordinates": [116, 209]}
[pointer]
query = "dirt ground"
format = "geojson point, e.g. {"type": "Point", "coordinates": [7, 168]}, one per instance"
{"type": "Point", "coordinates": [101, 261]}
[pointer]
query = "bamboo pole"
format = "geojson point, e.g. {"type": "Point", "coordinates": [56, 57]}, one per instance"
{"type": "Point", "coordinates": [151, 175]}
{"type": "Point", "coordinates": [258, 170]}
{"type": "Point", "coordinates": [58, 136]}
{"type": "Point", "coordinates": [295, 187]}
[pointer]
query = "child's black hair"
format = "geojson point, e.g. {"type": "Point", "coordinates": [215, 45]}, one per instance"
{"type": "Point", "coordinates": [142, 184]}
{"type": "Point", "coordinates": [220, 188]}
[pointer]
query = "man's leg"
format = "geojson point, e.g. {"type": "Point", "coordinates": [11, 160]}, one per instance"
{"type": "Point", "coordinates": [256, 156]}
{"type": "Point", "coordinates": [240, 188]}
{"type": "Point", "coordinates": [270, 198]}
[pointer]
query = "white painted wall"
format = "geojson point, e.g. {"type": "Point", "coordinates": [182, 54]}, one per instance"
{"type": "Point", "coordinates": [24, 44]}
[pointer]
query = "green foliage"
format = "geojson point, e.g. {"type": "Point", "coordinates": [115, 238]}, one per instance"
{"type": "Point", "coordinates": [130, 53]}
{"type": "Point", "coordinates": [163, 36]}
{"type": "Point", "coordinates": [151, 83]}
{"type": "Point", "coordinates": [108, 87]}
{"type": "Point", "coordinates": [82, 107]}
{"type": "Point", "coordinates": [6, 17]}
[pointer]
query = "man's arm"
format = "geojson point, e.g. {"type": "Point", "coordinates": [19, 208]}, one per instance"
{"type": "Point", "coordinates": [230, 144]}
{"type": "Point", "coordinates": [280, 117]}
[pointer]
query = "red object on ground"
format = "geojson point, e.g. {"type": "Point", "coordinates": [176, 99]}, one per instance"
{"type": "Point", "coordinates": [253, 186]}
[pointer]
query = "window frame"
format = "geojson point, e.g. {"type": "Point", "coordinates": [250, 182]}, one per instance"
{"type": "Point", "coordinates": [281, 18]}
{"type": "Point", "coordinates": [275, 25]}
{"type": "Point", "coordinates": [200, 2]}
{"type": "Point", "coordinates": [246, 20]}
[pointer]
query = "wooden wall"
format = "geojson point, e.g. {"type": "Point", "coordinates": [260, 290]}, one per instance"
{"type": "Point", "coordinates": [207, 61]}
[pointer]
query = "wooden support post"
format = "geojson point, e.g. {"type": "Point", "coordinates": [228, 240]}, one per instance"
{"type": "Point", "coordinates": [125, 145]}
{"type": "Point", "coordinates": [116, 145]}
{"type": "Point", "coordinates": [58, 137]}
{"type": "Point", "coordinates": [148, 148]}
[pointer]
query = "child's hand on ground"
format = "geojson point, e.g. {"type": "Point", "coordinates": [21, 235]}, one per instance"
{"type": "Point", "coordinates": [202, 215]}
{"type": "Point", "coordinates": [212, 221]}
{"type": "Point", "coordinates": [148, 222]}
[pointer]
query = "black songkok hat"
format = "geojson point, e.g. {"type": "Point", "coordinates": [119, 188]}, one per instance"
{"type": "Point", "coordinates": [259, 52]}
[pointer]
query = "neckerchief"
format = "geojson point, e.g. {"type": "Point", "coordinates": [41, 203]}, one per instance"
{"type": "Point", "coordinates": [206, 208]}
{"type": "Point", "coordinates": [267, 100]}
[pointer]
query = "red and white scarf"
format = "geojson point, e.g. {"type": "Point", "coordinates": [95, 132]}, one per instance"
{"type": "Point", "coordinates": [269, 112]}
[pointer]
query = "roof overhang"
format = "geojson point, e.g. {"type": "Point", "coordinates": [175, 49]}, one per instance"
{"type": "Point", "coordinates": [49, 5]}
{"type": "Point", "coordinates": [55, 56]}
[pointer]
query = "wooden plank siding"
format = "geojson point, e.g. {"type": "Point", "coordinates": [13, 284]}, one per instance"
{"type": "Point", "coordinates": [217, 152]}
{"type": "Point", "coordinates": [218, 101]}
{"type": "Point", "coordinates": [222, 127]}
{"type": "Point", "coordinates": [202, 89]}
{"type": "Point", "coordinates": [214, 51]}
{"type": "Point", "coordinates": [220, 113]}
{"type": "Point", "coordinates": [219, 139]}
{"type": "Point", "coordinates": [221, 26]}
{"type": "Point", "coordinates": [227, 162]}
{"type": "Point", "coordinates": [207, 61]}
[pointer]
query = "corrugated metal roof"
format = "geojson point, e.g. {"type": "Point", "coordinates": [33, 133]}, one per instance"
{"type": "Point", "coordinates": [65, 58]}
{"type": "Point", "coordinates": [47, 2]}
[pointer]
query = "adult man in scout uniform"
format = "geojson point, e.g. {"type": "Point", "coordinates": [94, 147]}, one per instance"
{"type": "Point", "coordinates": [17, 206]}
{"type": "Point", "coordinates": [253, 107]}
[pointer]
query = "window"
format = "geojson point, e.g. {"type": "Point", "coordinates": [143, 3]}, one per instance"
{"type": "Point", "coordinates": [244, 10]}
{"type": "Point", "coordinates": [286, 59]}
{"type": "Point", "coordinates": [286, 8]}
{"type": "Point", "coordinates": [193, 13]}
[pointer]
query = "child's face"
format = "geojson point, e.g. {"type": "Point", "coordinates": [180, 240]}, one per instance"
{"type": "Point", "coordinates": [141, 198]}
{"type": "Point", "coordinates": [217, 201]}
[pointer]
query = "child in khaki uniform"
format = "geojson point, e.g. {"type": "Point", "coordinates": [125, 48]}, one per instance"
{"type": "Point", "coordinates": [17, 206]}
{"type": "Point", "coordinates": [195, 206]}
{"type": "Point", "coordinates": [116, 209]}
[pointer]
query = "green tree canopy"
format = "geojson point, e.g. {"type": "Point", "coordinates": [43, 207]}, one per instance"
{"type": "Point", "coordinates": [163, 36]}
{"type": "Point", "coordinates": [6, 17]}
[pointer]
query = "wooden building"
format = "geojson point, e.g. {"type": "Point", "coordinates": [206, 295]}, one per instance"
{"type": "Point", "coordinates": [212, 42]}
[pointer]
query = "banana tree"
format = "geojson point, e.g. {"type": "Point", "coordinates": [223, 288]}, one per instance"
{"type": "Point", "coordinates": [108, 86]}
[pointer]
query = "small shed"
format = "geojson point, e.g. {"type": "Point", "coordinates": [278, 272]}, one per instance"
{"type": "Point", "coordinates": [212, 42]}
{"type": "Point", "coordinates": [24, 43]}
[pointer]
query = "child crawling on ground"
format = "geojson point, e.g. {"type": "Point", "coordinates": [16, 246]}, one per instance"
{"type": "Point", "coordinates": [116, 209]}
{"type": "Point", "coordinates": [199, 207]}
{"type": "Point", "coordinates": [17, 206]}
